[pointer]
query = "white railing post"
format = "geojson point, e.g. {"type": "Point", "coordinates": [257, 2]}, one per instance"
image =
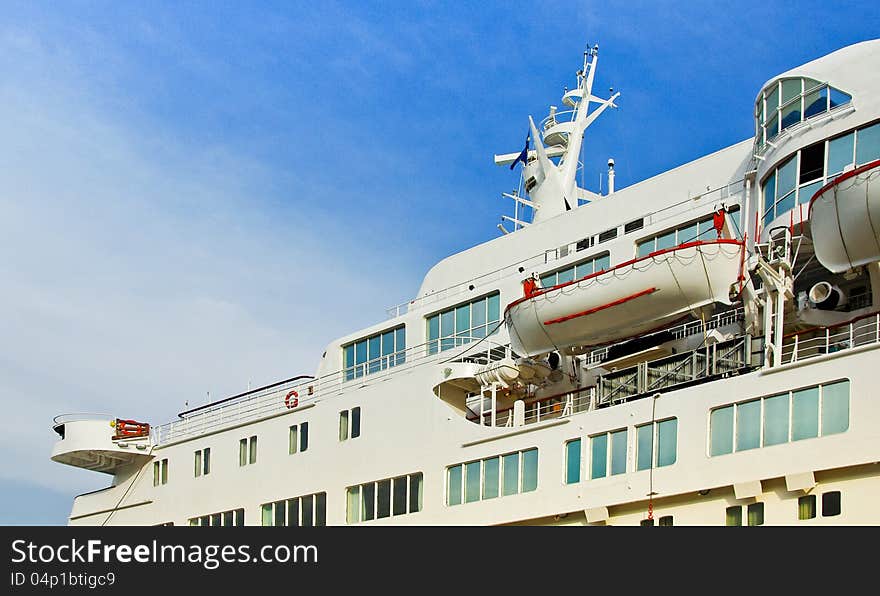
{"type": "Point", "coordinates": [794, 351]}
{"type": "Point", "coordinates": [827, 339]}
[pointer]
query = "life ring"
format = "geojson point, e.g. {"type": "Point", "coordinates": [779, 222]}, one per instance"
{"type": "Point", "coordinates": [292, 403]}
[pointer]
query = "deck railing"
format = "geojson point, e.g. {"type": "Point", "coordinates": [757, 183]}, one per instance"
{"type": "Point", "coordinates": [861, 331]}
{"type": "Point", "coordinates": [297, 393]}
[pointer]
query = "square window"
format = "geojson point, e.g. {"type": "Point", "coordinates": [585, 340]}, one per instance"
{"type": "Point", "coordinates": [831, 504]}
{"type": "Point", "coordinates": [807, 507]}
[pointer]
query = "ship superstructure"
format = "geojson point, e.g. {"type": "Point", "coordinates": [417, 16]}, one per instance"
{"type": "Point", "coordinates": [694, 349]}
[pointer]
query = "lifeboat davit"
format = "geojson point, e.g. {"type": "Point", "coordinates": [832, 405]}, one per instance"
{"type": "Point", "coordinates": [845, 219]}
{"type": "Point", "coordinates": [635, 297]}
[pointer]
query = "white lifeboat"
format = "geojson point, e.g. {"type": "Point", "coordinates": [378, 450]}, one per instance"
{"type": "Point", "coordinates": [632, 298]}
{"type": "Point", "coordinates": [845, 219]}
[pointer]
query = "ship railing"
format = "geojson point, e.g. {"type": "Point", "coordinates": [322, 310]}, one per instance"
{"type": "Point", "coordinates": [283, 397]}
{"type": "Point", "coordinates": [861, 331]}
{"type": "Point", "coordinates": [718, 320]}
{"type": "Point", "coordinates": [690, 367]}
{"type": "Point", "coordinates": [547, 408]}
{"type": "Point", "coordinates": [727, 194]}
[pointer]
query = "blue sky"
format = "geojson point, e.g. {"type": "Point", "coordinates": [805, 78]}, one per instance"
{"type": "Point", "coordinates": [199, 196]}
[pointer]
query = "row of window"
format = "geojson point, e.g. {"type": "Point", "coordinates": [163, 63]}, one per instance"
{"type": "Point", "coordinates": [798, 178]}
{"type": "Point", "coordinates": [305, 510]}
{"type": "Point", "coordinates": [374, 353]}
{"type": "Point", "coordinates": [488, 478]}
{"type": "Point", "coordinates": [576, 270]}
{"type": "Point", "coordinates": [754, 513]}
{"type": "Point", "coordinates": [233, 517]}
{"type": "Point", "coordinates": [789, 101]}
{"type": "Point", "coordinates": [298, 441]}
{"type": "Point", "coordinates": [806, 413]}
{"type": "Point", "coordinates": [384, 498]}
{"type": "Point", "coordinates": [459, 325]}
{"type": "Point", "coordinates": [656, 445]}
{"type": "Point", "coordinates": [702, 229]}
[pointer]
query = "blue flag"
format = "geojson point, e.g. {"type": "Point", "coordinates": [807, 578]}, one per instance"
{"type": "Point", "coordinates": [522, 156]}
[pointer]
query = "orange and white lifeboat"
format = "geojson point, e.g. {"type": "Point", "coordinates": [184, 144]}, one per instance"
{"type": "Point", "coordinates": [632, 298]}
{"type": "Point", "coordinates": [845, 219]}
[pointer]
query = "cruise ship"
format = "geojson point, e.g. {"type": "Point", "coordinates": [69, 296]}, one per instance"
{"type": "Point", "coordinates": [694, 349]}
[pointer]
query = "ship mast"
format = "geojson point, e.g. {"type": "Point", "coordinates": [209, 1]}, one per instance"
{"type": "Point", "coordinates": [552, 187]}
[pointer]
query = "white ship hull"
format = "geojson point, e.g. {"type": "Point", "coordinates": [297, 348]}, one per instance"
{"type": "Point", "coordinates": [845, 219]}
{"type": "Point", "coordinates": [630, 299]}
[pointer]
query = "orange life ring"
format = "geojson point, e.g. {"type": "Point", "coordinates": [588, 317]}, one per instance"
{"type": "Point", "coordinates": [292, 403]}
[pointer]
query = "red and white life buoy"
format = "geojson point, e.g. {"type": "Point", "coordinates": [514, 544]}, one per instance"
{"type": "Point", "coordinates": [292, 399]}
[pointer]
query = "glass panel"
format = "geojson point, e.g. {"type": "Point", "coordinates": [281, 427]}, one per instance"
{"type": "Point", "coordinates": [491, 477]}
{"type": "Point", "coordinates": [280, 513]}
{"type": "Point", "coordinates": [206, 460]}
{"type": "Point", "coordinates": [307, 504]}
{"type": "Point", "coordinates": [304, 436]}
{"type": "Point", "coordinates": [805, 414]}
{"type": "Point", "coordinates": [776, 420]}
{"type": "Point", "coordinates": [791, 88]}
{"type": "Point", "coordinates": [242, 452]}
{"type": "Point", "coordinates": [835, 408]}
{"type": "Point", "coordinates": [383, 492]}
{"type": "Point", "coordinates": [599, 457]}
{"type": "Point", "coordinates": [785, 178]}
{"type": "Point", "coordinates": [478, 313]}
{"type": "Point", "coordinates": [321, 509]}
{"type": "Point", "coordinates": [293, 440]}
{"type": "Point", "coordinates": [253, 451]}
{"type": "Point", "coordinates": [433, 333]}
{"type": "Point", "coordinates": [721, 431]}
{"type": "Point", "coordinates": [239, 517]}
{"type": "Point", "coordinates": [785, 204]}
{"type": "Point", "coordinates": [228, 519]}
{"type": "Point", "coordinates": [805, 193]}
{"type": "Point", "coordinates": [400, 345]}
{"type": "Point", "coordinates": [733, 516]}
{"type": "Point", "coordinates": [584, 269]}
{"type": "Point", "coordinates": [343, 425]}
{"type": "Point", "coordinates": [400, 487]}
{"type": "Point", "coordinates": [687, 234]}
{"type": "Point", "coordinates": [493, 303]}
{"type": "Point", "coordinates": [769, 196]}
{"type": "Point", "coordinates": [548, 281]}
{"type": "Point", "coordinates": [447, 329]}
{"type": "Point", "coordinates": [791, 114]}
{"type": "Point", "coordinates": [510, 473]}
{"type": "Point", "coordinates": [463, 319]}
{"type": "Point", "coordinates": [472, 482]}
{"type": "Point", "coordinates": [375, 351]}
{"type": "Point", "coordinates": [772, 127]}
{"type": "Point", "coordinates": [164, 471]}
{"type": "Point", "coordinates": [352, 502]}
{"type": "Point", "coordinates": [807, 507]}
{"type": "Point", "coordinates": [415, 492]}
{"type": "Point", "coordinates": [756, 514]}
{"type": "Point", "coordinates": [368, 501]}
{"type": "Point", "coordinates": [453, 486]}
{"type": "Point", "coordinates": [618, 452]}
{"type": "Point", "coordinates": [667, 437]}
{"type": "Point", "coordinates": [348, 362]}
{"type": "Point", "coordinates": [530, 470]}
{"type": "Point", "coordinates": [812, 165]}
{"type": "Point", "coordinates": [837, 97]}
{"type": "Point", "coordinates": [645, 248]}
{"type": "Point", "coordinates": [387, 343]}
{"type": "Point", "coordinates": [198, 464]}
{"type": "Point", "coordinates": [573, 461]}
{"type": "Point", "coordinates": [772, 95]}
{"type": "Point", "coordinates": [267, 514]}
{"type": "Point", "coordinates": [355, 422]}
{"type": "Point", "coordinates": [360, 353]}
{"type": "Point", "coordinates": [293, 512]}
{"type": "Point", "coordinates": [645, 440]}
{"type": "Point", "coordinates": [748, 425]}
{"type": "Point", "coordinates": [666, 240]}
{"type": "Point", "coordinates": [840, 153]}
{"type": "Point", "coordinates": [868, 144]}
{"type": "Point", "coordinates": [666, 521]}
{"type": "Point", "coordinates": [603, 263]}
{"type": "Point", "coordinates": [810, 84]}
{"type": "Point", "coordinates": [565, 276]}
{"type": "Point", "coordinates": [156, 473]}
{"type": "Point", "coordinates": [816, 102]}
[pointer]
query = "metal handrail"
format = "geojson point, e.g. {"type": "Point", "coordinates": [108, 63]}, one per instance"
{"type": "Point", "coordinates": [65, 418]}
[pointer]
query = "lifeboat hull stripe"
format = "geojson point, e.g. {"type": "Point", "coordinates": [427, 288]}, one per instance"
{"type": "Point", "coordinates": [656, 253]}
{"type": "Point", "coordinates": [841, 178]}
{"type": "Point", "coordinates": [596, 309]}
